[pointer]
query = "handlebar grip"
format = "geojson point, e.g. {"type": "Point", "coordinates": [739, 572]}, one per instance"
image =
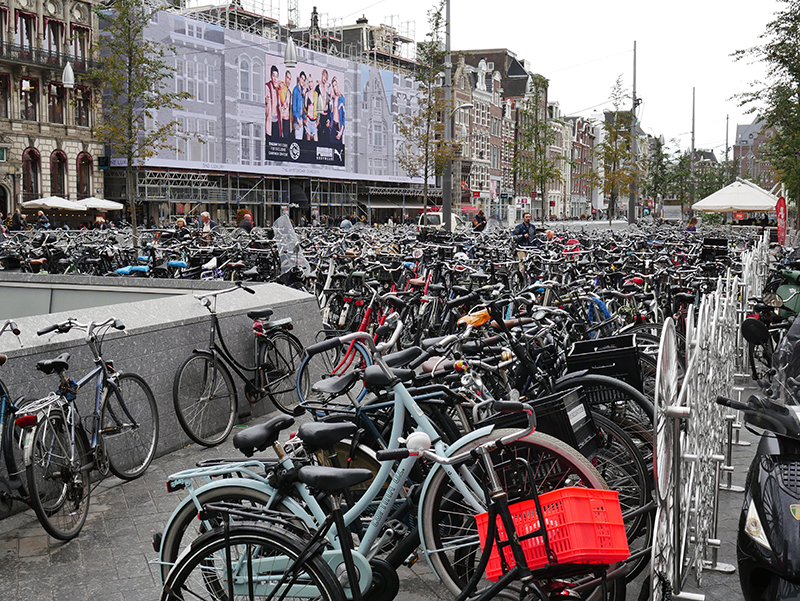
{"type": "Point", "coordinates": [726, 402]}
{"type": "Point", "coordinates": [47, 330]}
{"type": "Point", "coordinates": [384, 330]}
{"type": "Point", "coordinates": [321, 347]}
{"type": "Point", "coordinates": [508, 406]}
{"type": "Point", "coordinates": [14, 328]}
{"type": "Point", "coordinates": [119, 325]}
{"type": "Point", "coordinates": [248, 289]}
{"type": "Point", "coordinates": [462, 300]}
{"type": "Point", "coordinates": [392, 454]}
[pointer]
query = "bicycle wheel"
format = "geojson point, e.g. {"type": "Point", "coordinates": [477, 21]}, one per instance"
{"type": "Point", "coordinates": [12, 465]}
{"type": "Point", "coordinates": [281, 354]}
{"type": "Point", "coordinates": [333, 363]}
{"type": "Point", "coordinates": [760, 356]}
{"type": "Point", "coordinates": [59, 487]}
{"type": "Point", "coordinates": [448, 528]}
{"type": "Point", "coordinates": [185, 527]}
{"type": "Point", "coordinates": [129, 427]}
{"type": "Point", "coordinates": [217, 563]}
{"type": "Point", "coordinates": [205, 399]}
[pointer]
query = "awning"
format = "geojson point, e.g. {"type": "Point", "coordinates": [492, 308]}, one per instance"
{"type": "Point", "coordinates": [741, 195]}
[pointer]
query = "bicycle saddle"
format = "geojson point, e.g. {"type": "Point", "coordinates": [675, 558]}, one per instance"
{"type": "Point", "coordinates": [3, 359]}
{"type": "Point", "coordinates": [321, 435]}
{"type": "Point", "coordinates": [336, 385]}
{"type": "Point", "coordinates": [56, 365]}
{"type": "Point", "coordinates": [260, 313]}
{"type": "Point", "coordinates": [403, 357]}
{"type": "Point", "coordinates": [332, 479]}
{"type": "Point", "coordinates": [755, 331]}
{"type": "Point", "coordinates": [374, 378]}
{"type": "Point", "coordinates": [258, 438]}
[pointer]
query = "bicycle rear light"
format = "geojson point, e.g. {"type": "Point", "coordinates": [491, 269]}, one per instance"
{"type": "Point", "coordinates": [26, 421]}
{"type": "Point", "coordinates": [173, 485]}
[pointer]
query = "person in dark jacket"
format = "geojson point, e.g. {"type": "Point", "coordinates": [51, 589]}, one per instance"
{"type": "Point", "coordinates": [479, 222]}
{"type": "Point", "coordinates": [525, 233]}
{"type": "Point", "coordinates": [246, 223]}
{"type": "Point", "coordinates": [18, 223]}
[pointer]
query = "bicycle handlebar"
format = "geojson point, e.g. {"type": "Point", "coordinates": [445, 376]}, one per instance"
{"type": "Point", "coordinates": [89, 327]}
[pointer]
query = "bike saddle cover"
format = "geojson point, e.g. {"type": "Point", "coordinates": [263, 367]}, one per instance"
{"type": "Point", "coordinates": [57, 365]}
{"type": "Point", "coordinates": [336, 385]}
{"type": "Point", "coordinates": [258, 438]}
{"type": "Point", "coordinates": [323, 435]}
{"type": "Point", "coordinates": [332, 479]}
{"type": "Point", "coordinates": [437, 364]}
{"type": "Point", "coordinates": [403, 357]}
{"type": "Point", "coordinates": [260, 313]}
{"type": "Point", "coordinates": [755, 331]}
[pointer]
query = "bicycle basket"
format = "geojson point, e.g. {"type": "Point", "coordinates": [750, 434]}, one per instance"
{"type": "Point", "coordinates": [583, 526]}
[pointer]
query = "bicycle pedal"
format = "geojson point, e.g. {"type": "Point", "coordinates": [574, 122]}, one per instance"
{"type": "Point", "coordinates": [411, 559]}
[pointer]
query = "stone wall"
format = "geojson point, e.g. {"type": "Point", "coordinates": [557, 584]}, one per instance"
{"type": "Point", "coordinates": [159, 335]}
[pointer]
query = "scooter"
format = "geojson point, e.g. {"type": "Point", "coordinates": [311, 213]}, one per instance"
{"type": "Point", "coordinates": [768, 543]}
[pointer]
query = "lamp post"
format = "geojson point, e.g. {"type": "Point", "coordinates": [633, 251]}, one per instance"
{"type": "Point", "coordinates": [290, 54]}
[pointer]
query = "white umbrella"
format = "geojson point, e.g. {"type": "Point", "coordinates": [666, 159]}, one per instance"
{"type": "Point", "coordinates": [53, 202]}
{"type": "Point", "coordinates": [100, 204]}
{"type": "Point", "coordinates": [741, 195]}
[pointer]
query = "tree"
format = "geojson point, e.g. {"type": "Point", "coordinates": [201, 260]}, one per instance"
{"type": "Point", "coordinates": [532, 165]}
{"type": "Point", "coordinates": [134, 76]}
{"type": "Point", "coordinates": [776, 100]}
{"type": "Point", "coordinates": [615, 153]}
{"type": "Point", "coordinates": [423, 151]}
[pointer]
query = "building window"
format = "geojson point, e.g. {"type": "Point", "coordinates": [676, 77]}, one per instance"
{"type": "Point", "coordinates": [80, 45]}
{"type": "Point", "coordinates": [58, 173]}
{"type": "Point", "coordinates": [28, 95]}
{"type": "Point", "coordinates": [25, 34]}
{"type": "Point", "coordinates": [84, 175]}
{"type": "Point", "coordinates": [257, 80]}
{"type": "Point", "coordinates": [55, 103]}
{"type": "Point", "coordinates": [244, 80]}
{"type": "Point", "coordinates": [31, 165]}
{"type": "Point", "coordinates": [5, 94]}
{"type": "Point", "coordinates": [83, 100]}
{"type": "Point", "coordinates": [247, 143]}
{"type": "Point", "coordinates": [376, 134]}
{"type": "Point", "coordinates": [54, 39]}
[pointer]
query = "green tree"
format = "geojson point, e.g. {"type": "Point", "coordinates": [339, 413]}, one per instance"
{"type": "Point", "coordinates": [655, 184]}
{"type": "Point", "coordinates": [619, 166]}
{"type": "Point", "coordinates": [134, 76]}
{"type": "Point", "coordinates": [423, 151]}
{"type": "Point", "coordinates": [533, 166]}
{"type": "Point", "coordinates": [776, 100]}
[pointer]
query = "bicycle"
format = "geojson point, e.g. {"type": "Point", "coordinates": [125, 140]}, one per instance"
{"type": "Point", "coordinates": [58, 453]}
{"type": "Point", "coordinates": [203, 390]}
{"type": "Point", "coordinates": [12, 486]}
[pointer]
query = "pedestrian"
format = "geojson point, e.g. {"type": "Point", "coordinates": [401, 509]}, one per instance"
{"type": "Point", "coordinates": [246, 223]}
{"type": "Point", "coordinates": [692, 227]}
{"type": "Point", "coordinates": [346, 224]}
{"type": "Point", "coordinates": [208, 224]}
{"type": "Point", "coordinates": [42, 222]}
{"type": "Point", "coordinates": [479, 222]}
{"type": "Point", "coordinates": [524, 235]}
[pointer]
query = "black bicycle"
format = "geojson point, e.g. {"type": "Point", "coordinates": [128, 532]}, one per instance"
{"type": "Point", "coordinates": [12, 485]}
{"type": "Point", "coordinates": [204, 392]}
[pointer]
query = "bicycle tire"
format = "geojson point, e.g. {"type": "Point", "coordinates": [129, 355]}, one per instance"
{"type": "Point", "coordinates": [447, 524]}
{"type": "Point", "coordinates": [760, 358]}
{"type": "Point", "coordinates": [284, 353]}
{"type": "Point", "coordinates": [185, 527]}
{"type": "Point", "coordinates": [130, 448]}
{"type": "Point", "coordinates": [11, 481]}
{"type": "Point", "coordinates": [59, 487]}
{"type": "Point", "coordinates": [203, 569]}
{"type": "Point", "coordinates": [205, 399]}
{"type": "Point", "coordinates": [332, 363]}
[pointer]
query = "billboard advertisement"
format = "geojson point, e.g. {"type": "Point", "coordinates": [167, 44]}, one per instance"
{"type": "Point", "coordinates": [305, 114]}
{"type": "Point", "coordinates": [327, 117]}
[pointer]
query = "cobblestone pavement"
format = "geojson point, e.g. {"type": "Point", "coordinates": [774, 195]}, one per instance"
{"type": "Point", "coordinates": [109, 561]}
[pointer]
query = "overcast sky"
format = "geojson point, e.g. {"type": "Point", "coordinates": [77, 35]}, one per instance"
{"type": "Point", "coordinates": [583, 46]}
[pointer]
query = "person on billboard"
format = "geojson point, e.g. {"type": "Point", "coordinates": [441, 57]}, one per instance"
{"type": "Point", "coordinates": [298, 105]}
{"type": "Point", "coordinates": [323, 108]}
{"type": "Point", "coordinates": [311, 111]}
{"type": "Point", "coordinates": [272, 100]}
{"type": "Point", "coordinates": [337, 112]}
{"type": "Point", "coordinates": [285, 105]}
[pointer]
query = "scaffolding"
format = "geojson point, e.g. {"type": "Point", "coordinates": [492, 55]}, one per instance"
{"type": "Point", "coordinates": [258, 17]}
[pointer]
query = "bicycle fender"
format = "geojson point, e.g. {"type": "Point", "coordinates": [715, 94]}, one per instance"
{"type": "Point", "coordinates": [291, 504]}
{"type": "Point", "coordinates": [451, 450]}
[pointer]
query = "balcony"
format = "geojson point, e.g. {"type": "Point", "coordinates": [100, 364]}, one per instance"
{"type": "Point", "coordinates": [45, 58]}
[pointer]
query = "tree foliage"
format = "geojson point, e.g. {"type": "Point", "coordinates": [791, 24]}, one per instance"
{"type": "Point", "coordinates": [776, 99]}
{"type": "Point", "coordinates": [423, 151]}
{"type": "Point", "coordinates": [532, 165]}
{"type": "Point", "coordinates": [134, 76]}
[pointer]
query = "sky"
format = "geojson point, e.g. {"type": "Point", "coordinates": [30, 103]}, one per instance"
{"type": "Point", "coordinates": [583, 46]}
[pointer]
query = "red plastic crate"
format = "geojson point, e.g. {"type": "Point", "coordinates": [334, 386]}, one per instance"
{"type": "Point", "coordinates": [584, 525]}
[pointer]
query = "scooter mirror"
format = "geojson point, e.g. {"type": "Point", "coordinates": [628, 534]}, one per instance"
{"type": "Point", "coordinates": [773, 300]}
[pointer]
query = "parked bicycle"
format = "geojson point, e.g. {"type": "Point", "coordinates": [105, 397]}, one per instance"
{"type": "Point", "coordinates": [62, 447]}
{"type": "Point", "coordinates": [12, 485]}
{"type": "Point", "coordinates": [204, 393]}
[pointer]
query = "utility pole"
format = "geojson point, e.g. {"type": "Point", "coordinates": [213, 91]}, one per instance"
{"type": "Point", "coordinates": [447, 176]}
{"type": "Point", "coordinates": [634, 147]}
{"type": "Point", "coordinates": [691, 164]}
{"type": "Point", "coordinates": [727, 148]}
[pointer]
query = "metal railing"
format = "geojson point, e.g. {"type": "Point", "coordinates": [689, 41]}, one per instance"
{"type": "Point", "coordinates": [45, 58]}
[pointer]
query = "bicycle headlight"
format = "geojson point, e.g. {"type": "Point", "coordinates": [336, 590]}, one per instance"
{"type": "Point", "coordinates": [753, 527]}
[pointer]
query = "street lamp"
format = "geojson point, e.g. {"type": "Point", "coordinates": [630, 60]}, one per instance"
{"type": "Point", "coordinates": [290, 54]}
{"type": "Point", "coordinates": [68, 76]}
{"type": "Point", "coordinates": [447, 176]}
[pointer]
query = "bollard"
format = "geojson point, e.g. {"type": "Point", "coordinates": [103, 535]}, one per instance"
{"type": "Point", "coordinates": [712, 542]}
{"type": "Point", "coordinates": [728, 466]}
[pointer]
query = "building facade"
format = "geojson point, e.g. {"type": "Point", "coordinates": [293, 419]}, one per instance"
{"type": "Point", "coordinates": [747, 155]}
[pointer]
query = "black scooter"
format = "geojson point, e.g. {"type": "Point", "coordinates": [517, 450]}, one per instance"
{"type": "Point", "coordinates": [768, 543]}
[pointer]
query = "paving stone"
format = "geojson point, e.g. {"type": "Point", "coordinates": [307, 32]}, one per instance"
{"type": "Point", "coordinates": [33, 545]}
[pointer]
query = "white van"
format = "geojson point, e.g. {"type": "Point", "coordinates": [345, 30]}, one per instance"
{"type": "Point", "coordinates": [435, 219]}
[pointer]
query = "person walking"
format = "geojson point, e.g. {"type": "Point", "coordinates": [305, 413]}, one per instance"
{"type": "Point", "coordinates": [524, 235]}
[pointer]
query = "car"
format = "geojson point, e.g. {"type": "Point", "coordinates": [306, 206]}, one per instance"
{"type": "Point", "coordinates": [433, 220]}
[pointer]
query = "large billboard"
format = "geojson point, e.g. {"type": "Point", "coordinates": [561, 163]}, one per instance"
{"type": "Point", "coordinates": [327, 117]}
{"type": "Point", "coordinates": [305, 114]}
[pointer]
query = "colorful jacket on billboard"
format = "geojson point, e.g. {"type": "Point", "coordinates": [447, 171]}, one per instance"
{"type": "Point", "coordinates": [297, 103]}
